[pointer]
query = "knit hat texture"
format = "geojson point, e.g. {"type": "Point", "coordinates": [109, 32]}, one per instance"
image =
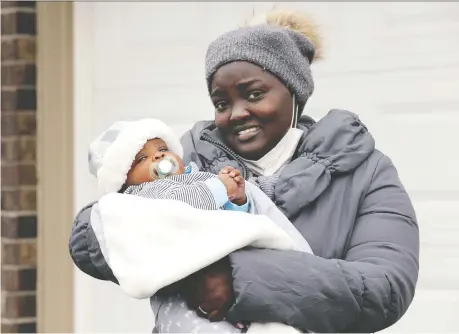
{"type": "Point", "coordinates": [284, 43]}
{"type": "Point", "coordinates": [111, 154]}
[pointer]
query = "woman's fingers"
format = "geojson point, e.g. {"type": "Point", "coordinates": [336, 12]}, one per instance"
{"type": "Point", "coordinates": [215, 315]}
{"type": "Point", "coordinates": [203, 312]}
{"type": "Point", "coordinates": [212, 290]}
{"type": "Point", "coordinates": [193, 290]}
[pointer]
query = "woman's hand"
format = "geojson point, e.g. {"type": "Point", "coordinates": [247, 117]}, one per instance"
{"type": "Point", "coordinates": [210, 291]}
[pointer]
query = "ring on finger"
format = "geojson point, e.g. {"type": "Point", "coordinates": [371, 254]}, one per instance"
{"type": "Point", "coordinates": [202, 311]}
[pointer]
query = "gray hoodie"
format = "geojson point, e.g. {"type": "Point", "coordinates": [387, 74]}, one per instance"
{"type": "Point", "coordinates": [345, 197]}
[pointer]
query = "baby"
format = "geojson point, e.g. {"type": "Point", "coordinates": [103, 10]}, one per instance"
{"type": "Point", "coordinates": [157, 172]}
{"type": "Point", "coordinates": [144, 158]}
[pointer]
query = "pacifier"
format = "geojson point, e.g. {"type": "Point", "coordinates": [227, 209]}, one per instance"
{"type": "Point", "coordinates": [167, 166]}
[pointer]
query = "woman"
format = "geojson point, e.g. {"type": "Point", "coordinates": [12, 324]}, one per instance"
{"type": "Point", "coordinates": [342, 194]}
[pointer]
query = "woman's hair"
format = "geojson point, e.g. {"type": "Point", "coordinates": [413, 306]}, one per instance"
{"type": "Point", "coordinates": [282, 42]}
{"type": "Point", "coordinates": [299, 22]}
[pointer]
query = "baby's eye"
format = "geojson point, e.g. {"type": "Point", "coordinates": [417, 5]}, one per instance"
{"type": "Point", "coordinates": [141, 158]}
{"type": "Point", "coordinates": [163, 149]}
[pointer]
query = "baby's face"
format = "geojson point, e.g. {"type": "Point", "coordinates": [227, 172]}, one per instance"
{"type": "Point", "coordinates": [154, 150]}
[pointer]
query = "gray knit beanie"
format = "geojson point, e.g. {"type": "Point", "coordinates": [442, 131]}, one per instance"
{"type": "Point", "coordinates": [275, 46]}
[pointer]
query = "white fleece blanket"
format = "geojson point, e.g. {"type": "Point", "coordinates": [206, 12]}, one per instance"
{"type": "Point", "coordinates": [150, 244]}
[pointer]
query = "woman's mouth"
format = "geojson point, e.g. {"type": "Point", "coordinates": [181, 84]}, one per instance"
{"type": "Point", "coordinates": [247, 134]}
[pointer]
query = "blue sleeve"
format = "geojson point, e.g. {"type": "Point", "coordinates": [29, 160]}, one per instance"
{"type": "Point", "coordinates": [218, 190]}
{"type": "Point", "coordinates": [234, 207]}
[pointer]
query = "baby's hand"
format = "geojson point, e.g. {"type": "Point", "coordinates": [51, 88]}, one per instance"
{"type": "Point", "coordinates": [236, 189]}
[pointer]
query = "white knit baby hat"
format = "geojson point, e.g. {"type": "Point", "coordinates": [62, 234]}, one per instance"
{"type": "Point", "coordinates": [112, 153]}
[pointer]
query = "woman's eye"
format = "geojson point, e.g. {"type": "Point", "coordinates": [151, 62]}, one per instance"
{"type": "Point", "coordinates": [164, 149]}
{"type": "Point", "coordinates": [140, 159]}
{"type": "Point", "coordinates": [220, 106]}
{"type": "Point", "coordinates": [254, 96]}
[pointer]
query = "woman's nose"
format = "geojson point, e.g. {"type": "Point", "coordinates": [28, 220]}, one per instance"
{"type": "Point", "coordinates": [239, 113]}
{"type": "Point", "coordinates": [159, 155]}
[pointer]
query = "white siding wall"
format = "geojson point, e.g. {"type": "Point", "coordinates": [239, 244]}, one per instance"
{"type": "Point", "coordinates": [395, 64]}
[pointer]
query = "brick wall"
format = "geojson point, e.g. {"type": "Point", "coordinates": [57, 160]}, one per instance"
{"type": "Point", "coordinates": [18, 167]}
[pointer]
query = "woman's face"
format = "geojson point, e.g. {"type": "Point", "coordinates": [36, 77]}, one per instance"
{"type": "Point", "coordinates": [253, 108]}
